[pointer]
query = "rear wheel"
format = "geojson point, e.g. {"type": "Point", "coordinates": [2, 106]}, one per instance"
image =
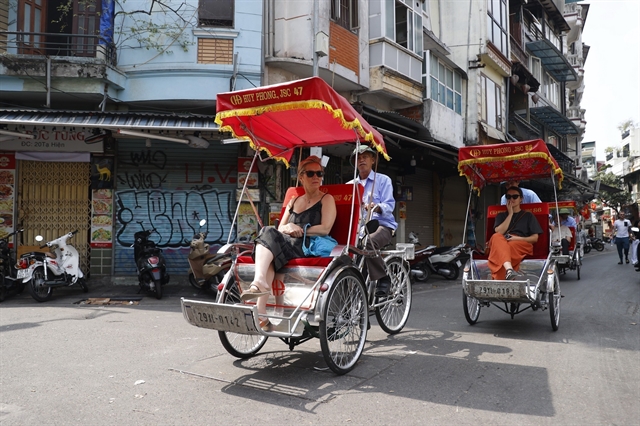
{"type": "Point", "coordinates": [455, 271]}
{"type": "Point", "coordinates": [471, 307]}
{"type": "Point", "coordinates": [343, 328]}
{"type": "Point", "coordinates": [393, 316]}
{"type": "Point", "coordinates": [37, 287]}
{"type": "Point", "coordinates": [598, 245]}
{"type": "Point", "coordinates": [194, 283]}
{"type": "Point", "coordinates": [587, 248]}
{"type": "Point", "coordinates": [83, 285]}
{"type": "Point", "coordinates": [554, 303]}
{"type": "Point", "coordinates": [157, 284]}
{"type": "Point", "coordinates": [239, 345]}
{"type": "Point", "coordinates": [426, 272]}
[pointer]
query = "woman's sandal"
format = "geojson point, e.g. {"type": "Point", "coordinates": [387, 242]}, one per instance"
{"type": "Point", "coordinates": [265, 324]}
{"type": "Point", "coordinates": [254, 292]}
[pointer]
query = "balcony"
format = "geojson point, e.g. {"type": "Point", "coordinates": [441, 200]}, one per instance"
{"type": "Point", "coordinates": [59, 45]}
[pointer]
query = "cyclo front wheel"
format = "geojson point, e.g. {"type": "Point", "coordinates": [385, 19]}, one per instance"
{"type": "Point", "coordinates": [393, 316]}
{"type": "Point", "coordinates": [239, 345]}
{"type": "Point", "coordinates": [343, 327]}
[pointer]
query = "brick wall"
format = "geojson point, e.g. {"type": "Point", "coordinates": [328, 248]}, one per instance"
{"type": "Point", "coordinates": [343, 48]}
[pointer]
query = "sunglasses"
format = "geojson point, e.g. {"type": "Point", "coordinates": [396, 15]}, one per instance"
{"type": "Point", "coordinates": [310, 173]}
{"type": "Point", "coordinates": [512, 196]}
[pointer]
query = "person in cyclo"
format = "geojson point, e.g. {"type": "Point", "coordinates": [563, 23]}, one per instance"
{"type": "Point", "coordinates": [563, 234]}
{"type": "Point", "coordinates": [528, 196]}
{"type": "Point", "coordinates": [276, 246]}
{"type": "Point", "coordinates": [383, 203]}
{"type": "Point", "coordinates": [516, 231]}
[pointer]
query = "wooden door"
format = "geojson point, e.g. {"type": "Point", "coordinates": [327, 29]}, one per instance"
{"type": "Point", "coordinates": [32, 15]}
{"type": "Point", "coordinates": [86, 21]}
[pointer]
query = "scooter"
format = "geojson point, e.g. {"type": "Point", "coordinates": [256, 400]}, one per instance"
{"type": "Point", "coordinates": [42, 271]}
{"type": "Point", "coordinates": [9, 282]}
{"type": "Point", "coordinates": [597, 243]}
{"type": "Point", "coordinates": [444, 261]}
{"type": "Point", "coordinates": [206, 269]}
{"type": "Point", "coordinates": [150, 263]}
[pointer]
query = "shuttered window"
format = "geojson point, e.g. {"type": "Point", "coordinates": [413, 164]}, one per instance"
{"type": "Point", "coordinates": [215, 51]}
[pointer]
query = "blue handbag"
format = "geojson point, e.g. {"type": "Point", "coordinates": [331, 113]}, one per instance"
{"type": "Point", "coordinates": [320, 246]}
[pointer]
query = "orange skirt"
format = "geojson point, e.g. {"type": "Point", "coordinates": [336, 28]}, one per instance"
{"type": "Point", "coordinates": [503, 250]}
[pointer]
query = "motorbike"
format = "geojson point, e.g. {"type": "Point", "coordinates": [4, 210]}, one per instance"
{"type": "Point", "coordinates": [207, 269]}
{"type": "Point", "coordinates": [150, 263]}
{"type": "Point", "coordinates": [9, 283]}
{"type": "Point", "coordinates": [41, 272]}
{"type": "Point", "coordinates": [596, 243]}
{"type": "Point", "coordinates": [444, 261]}
{"type": "Point", "coordinates": [635, 245]}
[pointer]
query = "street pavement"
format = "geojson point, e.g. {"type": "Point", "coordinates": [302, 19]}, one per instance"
{"type": "Point", "coordinates": [65, 362]}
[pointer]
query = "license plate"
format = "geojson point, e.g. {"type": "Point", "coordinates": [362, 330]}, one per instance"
{"type": "Point", "coordinates": [497, 290]}
{"type": "Point", "coordinates": [23, 273]}
{"type": "Point", "coordinates": [458, 263]}
{"type": "Point", "coordinates": [235, 319]}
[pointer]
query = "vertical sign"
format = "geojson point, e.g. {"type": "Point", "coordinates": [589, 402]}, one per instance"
{"type": "Point", "coordinates": [101, 202]}
{"type": "Point", "coordinates": [7, 192]}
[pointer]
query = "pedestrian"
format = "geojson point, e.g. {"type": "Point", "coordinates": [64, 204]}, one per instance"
{"type": "Point", "coordinates": [621, 230]}
{"type": "Point", "coordinates": [528, 196]}
{"type": "Point", "coordinates": [377, 195]}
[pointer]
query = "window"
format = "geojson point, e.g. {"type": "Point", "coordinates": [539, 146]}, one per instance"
{"type": "Point", "coordinates": [216, 13]}
{"type": "Point", "coordinates": [445, 83]}
{"type": "Point", "coordinates": [498, 25]}
{"type": "Point", "coordinates": [552, 36]}
{"type": "Point", "coordinates": [491, 102]}
{"type": "Point", "coordinates": [215, 51]}
{"type": "Point", "coordinates": [536, 68]}
{"type": "Point", "coordinates": [345, 13]}
{"type": "Point", "coordinates": [551, 89]}
{"type": "Point", "coordinates": [404, 25]}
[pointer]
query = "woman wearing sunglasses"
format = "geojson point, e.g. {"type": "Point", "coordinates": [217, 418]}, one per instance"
{"type": "Point", "coordinates": [516, 231]}
{"type": "Point", "coordinates": [275, 247]}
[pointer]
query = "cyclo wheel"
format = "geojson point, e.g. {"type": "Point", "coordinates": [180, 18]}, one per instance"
{"type": "Point", "coordinates": [471, 307]}
{"type": "Point", "coordinates": [343, 327]}
{"type": "Point", "coordinates": [393, 316]}
{"type": "Point", "coordinates": [239, 345]}
{"type": "Point", "coordinates": [554, 302]}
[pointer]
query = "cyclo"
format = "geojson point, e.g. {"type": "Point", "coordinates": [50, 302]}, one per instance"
{"type": "Point", "coordinates": [539, 287]}
{"type": "Point", "coordinates": [330, 298]}
{"type": "Point", "coordinates": [572, 260]}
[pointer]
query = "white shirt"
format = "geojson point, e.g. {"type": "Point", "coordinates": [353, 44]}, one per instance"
{"type": "Point", "coordinates": [622, 227]}
{"type": "Point", "coordinates": [564, 232]}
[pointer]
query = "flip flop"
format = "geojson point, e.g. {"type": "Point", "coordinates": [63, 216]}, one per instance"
{"type": "Point", "coordinates": [254, 292]}
{"type": "Point", "coordinates": [265, 324]}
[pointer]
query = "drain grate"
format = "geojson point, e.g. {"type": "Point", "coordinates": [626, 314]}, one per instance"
{"type": "Point", "coordinates": [105, 301]}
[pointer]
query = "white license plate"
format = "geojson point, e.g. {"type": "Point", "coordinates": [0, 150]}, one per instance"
{"type": "Point", "coordinates": [23, 273]}
{"type": "Point", "coordinates": [506, 290]}
{"type": "Point", "coordinates": [458, 263]}
{"type": "Point", "coordinates": [235, 319]}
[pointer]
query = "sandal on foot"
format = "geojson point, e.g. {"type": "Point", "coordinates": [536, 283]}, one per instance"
{"type": "Point", "coordinates": [254, 292]}
{"type": "Point", "coordinates": [265, 324]}
{"type": "Point", "coordinates": [512, 275]}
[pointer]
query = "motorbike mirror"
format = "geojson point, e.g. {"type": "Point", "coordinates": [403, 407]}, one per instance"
{"type": "Point", "coordinates": [203, 222]}
{"type": "Point", "coordinates": [39, 238]}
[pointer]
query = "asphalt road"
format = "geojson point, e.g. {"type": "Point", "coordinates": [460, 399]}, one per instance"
{"type": "Point", "coordinates": [67, 363]}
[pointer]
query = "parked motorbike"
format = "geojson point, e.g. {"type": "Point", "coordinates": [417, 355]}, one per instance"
{"type": "Point", "coordinates": [41, 272]}
{"type": "Point", "coordinates": [9, 282]}
{"type": "Point", "coordinates": [206, 269]}
{"type": "Point", "coordinates": [444, 261]}
{"type": "Point", "coordinates": [635, 245]}
{"type": "Point", "coordinates": [596, 243]}
{"type": "Point", "coordinates": [150, 263]}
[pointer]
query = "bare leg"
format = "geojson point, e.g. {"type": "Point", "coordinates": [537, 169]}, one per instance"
{"type": "Point", "coordinates": [262, 301]}
{"type": "Point", "coordinates": [507, 265]}
{"type": "Point", "coordinates": [264, 275]}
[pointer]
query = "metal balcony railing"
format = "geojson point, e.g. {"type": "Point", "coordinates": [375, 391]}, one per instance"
{"type": "Point", "coordinates": [57, 44]}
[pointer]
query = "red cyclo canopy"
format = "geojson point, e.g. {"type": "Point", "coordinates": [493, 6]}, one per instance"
{"type": "Point", "coordinates": [281, 117]}
{"type": "Point", "coordinates": [482, 164]}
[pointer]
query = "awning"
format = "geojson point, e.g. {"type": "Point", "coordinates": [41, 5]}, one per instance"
{"type": "Point", "coordinates": [393, 121]}
{"type": "Point", "coordinates": [554, 119]}
{"type": "Point", "coordinates": [524, 129]}
{"type": "Point", "coordinates": [565, 162]}
{"type": "Point", "coordinates": [552, 60]}
{"type": "Point", "coordinates": [493, 133]}
{"type": "Point", "coordinates": [110, 120]}
{"type": "Point", "coordinates": [442, 151]}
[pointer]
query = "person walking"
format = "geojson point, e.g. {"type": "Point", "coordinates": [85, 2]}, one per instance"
{"type": "Point", "coordinates": [621, 228]}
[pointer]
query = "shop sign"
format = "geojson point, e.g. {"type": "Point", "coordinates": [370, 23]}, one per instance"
{"type": "Point", "coordinates": [50, 140]}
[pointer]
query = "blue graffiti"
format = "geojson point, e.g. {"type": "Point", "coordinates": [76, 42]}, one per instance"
{"type": "Point", "coordinates": [175, 215]}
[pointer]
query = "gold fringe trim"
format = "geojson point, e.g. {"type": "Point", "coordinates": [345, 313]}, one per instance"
{"type": "Point", "coordinates": [467, 163]}
{"type": "Point", "coordinates": [289, 106]}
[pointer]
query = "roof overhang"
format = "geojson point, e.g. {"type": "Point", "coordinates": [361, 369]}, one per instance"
{"type": "Point", "coordinates": [151, 122]}
{"type": "Point", "coordinates": [553, 60]}
{"type": "Point", "coordinates": [554, 119]}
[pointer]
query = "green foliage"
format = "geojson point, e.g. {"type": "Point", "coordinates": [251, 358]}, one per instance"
{"type": "Point", "coordinates": [612, 198]}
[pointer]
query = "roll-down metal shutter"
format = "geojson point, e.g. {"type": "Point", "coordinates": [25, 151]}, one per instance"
{"type": "Point", "coordinates": [420, 209]}
{"type": "Point", "coordinates": [170, 187]}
